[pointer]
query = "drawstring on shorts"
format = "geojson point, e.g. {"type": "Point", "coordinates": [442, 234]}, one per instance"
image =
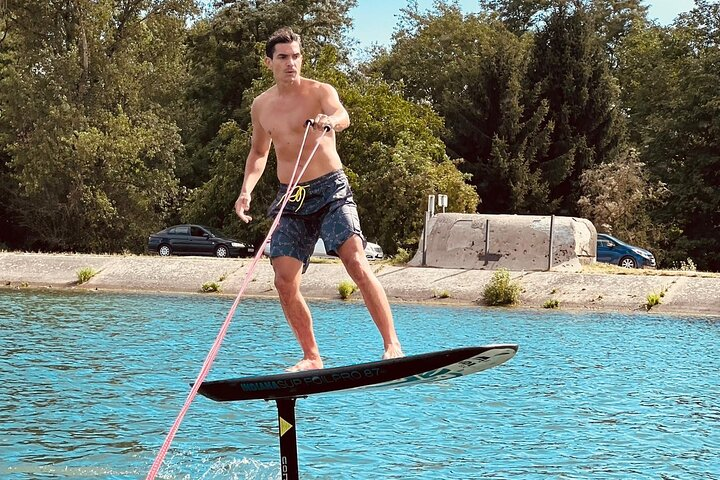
{"type": "Point", "coordinates": [297, 194]}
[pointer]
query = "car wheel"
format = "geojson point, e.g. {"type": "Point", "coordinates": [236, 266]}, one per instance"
{"type": "Point", "coordinates": [164, 250]}
{"type": "Point", "coordinates": [628, 262]}
{"type": "Point", "coordinates": [221, 251]}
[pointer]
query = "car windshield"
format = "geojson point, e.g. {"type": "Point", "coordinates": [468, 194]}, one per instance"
{"type": "Point", "coordinates": [614, 240]}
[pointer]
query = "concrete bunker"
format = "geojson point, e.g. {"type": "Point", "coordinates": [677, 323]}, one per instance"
{"type": "Point", "coordinates": [514, 242]}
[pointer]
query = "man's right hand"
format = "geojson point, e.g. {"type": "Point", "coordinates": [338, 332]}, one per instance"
{"type": "Point", "coordinates": [242, 205]}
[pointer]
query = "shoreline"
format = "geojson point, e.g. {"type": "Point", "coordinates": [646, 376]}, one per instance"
{"type": "Point", "coordinates": [684, 293]}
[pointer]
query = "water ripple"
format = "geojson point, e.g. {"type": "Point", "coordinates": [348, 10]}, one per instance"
{"type": "Point", "coordinates": [93, 382]}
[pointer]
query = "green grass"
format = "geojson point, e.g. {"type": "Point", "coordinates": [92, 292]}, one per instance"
{"type": "Point", "coordinates": [552, 303]}
{"type": "Point", "coordinates": [85, 274]}
{"type": "Point", "coordinates": [322, 260]}
{"type": "Point", "coordinates": [209, 287]}
{"type": "Point", "coordinates": [603, 268]}
{"type": "Point", "coordinates": [654, 299]}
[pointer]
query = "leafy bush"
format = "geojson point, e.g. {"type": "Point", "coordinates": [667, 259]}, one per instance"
{"type": "Point", "coordinates": [85, 274]}
{"type": "Point", "coordinates": [654, 299]}
{"type": "Point", "coordinates": [209, 287]}
{"type": "Point", "coordinates": [401, 257]}
{"type": "Point", "coordinates": [346, 288]}
{"type": "Point", "coordinates": [552, 303]}
{"type": "Point", "coordinates": [501, 290]}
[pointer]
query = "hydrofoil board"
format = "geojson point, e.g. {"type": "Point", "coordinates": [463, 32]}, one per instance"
{"type": "Point", "coordinates": [410, 370]}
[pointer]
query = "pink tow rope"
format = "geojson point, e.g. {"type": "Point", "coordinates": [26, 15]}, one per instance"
{"type": "Point", "coordinates": [210, 358]}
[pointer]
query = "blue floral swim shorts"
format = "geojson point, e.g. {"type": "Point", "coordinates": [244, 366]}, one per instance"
{"type": "Point", "coordinates": [321, 208]}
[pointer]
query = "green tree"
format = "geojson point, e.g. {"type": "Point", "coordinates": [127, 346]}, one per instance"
{"type": "Point", "coordinates": [87, 96]}
{"type": "Point", "coordinates": [569, 70]}
{"type": "Point", "coordinates": [479, 70]}
{"type": "Point", "coordinates": [212, 203]}
{"type": "Point", "coordinates": [519, 16]}
{"type": "Point", "coordinates": [612, 19]}
{"type": "Point", "coordinates": [393, 152]}
{"type": "Point", "coordinates": [670, 77]}
{"type": "Point", "coordinates": [618, 196]}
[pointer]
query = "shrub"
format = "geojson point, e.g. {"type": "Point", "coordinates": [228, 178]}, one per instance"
{"type": "Point", "coordinates": [442, 294]}
{"type": "Point", "coordinates": [552, 303]}
{"type": "Point", "coordinates": [654, 299]}
{"type": "Point", "coordinates": [401, 257]}
{"type": "Point", "coordinates": [85, 274]}
{"type": "Point", "coordinates": [683, 266]}
{"type": "Point", "coordinates": [501, 290]}
{"type": "Point", "coordinates": [209, 287]}
{"type": "Point", "coordinates": [346, 288]}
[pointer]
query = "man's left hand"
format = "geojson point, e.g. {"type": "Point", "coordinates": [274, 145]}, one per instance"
{"type": "Point", "coordinates": [323, 121]}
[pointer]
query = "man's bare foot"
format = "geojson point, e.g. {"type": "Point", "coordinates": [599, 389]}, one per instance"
{"type": "Point", "coordinates": [305, 364]}
{"type": "Point", "coordinates": [393, 351]}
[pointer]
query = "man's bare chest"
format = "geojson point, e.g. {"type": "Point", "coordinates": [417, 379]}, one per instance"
{"type": "Point", "coordinates": [283, 117]}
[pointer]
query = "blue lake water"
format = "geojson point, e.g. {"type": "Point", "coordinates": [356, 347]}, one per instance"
{"type": "Point", "coordinates": [92, 383]}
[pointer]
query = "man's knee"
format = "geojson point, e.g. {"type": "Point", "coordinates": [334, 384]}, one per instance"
{"type": "Point", "coordinates": [285, 286]}
{"type": "Point", "coordinates": [358, 269]}
{"type": "Point", "coordinates": [287, 275]}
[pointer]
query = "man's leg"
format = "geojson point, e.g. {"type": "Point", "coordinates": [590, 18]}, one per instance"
{"type": "Point", "coordinates": [288, 271]}
{"type": "Point", "coordinates": [353, 257]}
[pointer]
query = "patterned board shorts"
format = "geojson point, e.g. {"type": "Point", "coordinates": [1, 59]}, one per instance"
{"type": "Point", "coordinates": [322, 208]}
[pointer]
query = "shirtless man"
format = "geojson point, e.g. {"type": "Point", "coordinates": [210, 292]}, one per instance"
{"type": "Point", "coordinates": [321, 206]}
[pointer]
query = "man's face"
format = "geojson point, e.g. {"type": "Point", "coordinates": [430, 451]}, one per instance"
{"type": "Point", "coordinates": [286, 62]}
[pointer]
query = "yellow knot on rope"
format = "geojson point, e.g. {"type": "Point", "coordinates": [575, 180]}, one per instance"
{"type": "Point", "coordinates": [297, 194]}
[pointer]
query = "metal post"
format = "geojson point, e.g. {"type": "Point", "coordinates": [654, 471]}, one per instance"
{"type": "Point", "coordinates": [550, 253]}
{"type": "Point", "coordinates": [288, 439]}
{"type": "Point", "coordinates": [424, 239]}
{"type": "Point", "coordinates": [428, 215]}
{"type": "Point", "coordinates": [487, 240]}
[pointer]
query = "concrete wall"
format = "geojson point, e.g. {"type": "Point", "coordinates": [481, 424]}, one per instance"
{"type": "Point", "coordinates": [514, 242]}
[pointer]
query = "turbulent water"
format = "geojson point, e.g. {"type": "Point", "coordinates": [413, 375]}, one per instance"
{"type": "Point", "coordinates": [93, 382]}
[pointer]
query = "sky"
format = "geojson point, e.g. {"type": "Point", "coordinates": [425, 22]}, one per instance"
{"type": "Point", "coordinates": [375, 20]}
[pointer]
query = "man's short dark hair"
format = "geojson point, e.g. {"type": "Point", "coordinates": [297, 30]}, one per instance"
{"type": "Point", "coordinates": [284, 35]}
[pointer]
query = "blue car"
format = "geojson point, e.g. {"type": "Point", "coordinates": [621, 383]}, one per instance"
{"type": "Point", "coordinates": [617, 252]}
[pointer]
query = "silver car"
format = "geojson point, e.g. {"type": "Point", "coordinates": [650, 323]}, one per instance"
{"type": "Point", "coordinates": [373, 251]}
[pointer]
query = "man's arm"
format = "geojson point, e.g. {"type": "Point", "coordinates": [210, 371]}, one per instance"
{"type": "Point", "coordinates": [254, 165]}
{"type": "Point", "coordinates": [333, 113]}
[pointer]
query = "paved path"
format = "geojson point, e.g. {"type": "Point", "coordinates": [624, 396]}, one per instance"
{"type": "Point", "coordinates": [683, 294]}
